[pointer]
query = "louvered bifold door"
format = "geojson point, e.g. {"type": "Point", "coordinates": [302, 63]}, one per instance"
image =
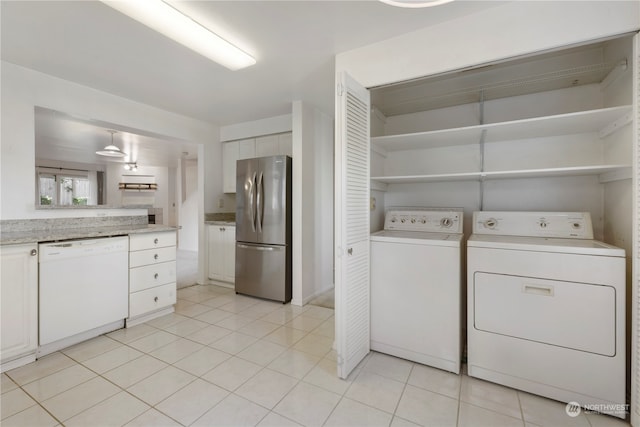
{"type": "Point", "coordinates": [635, 344]}
{"type": "Point", "coordinates": [351, 224]}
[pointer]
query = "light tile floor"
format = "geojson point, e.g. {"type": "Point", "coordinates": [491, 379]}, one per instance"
{"type": "Point", "coordinates": [224, 360]}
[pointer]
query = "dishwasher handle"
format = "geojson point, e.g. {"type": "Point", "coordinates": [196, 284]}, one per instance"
{"type": "Point", "coordinates": [82, 248]}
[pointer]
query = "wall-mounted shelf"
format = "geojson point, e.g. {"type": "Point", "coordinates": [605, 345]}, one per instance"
{"type": "Point", "coordinates": [607, 173]}
{"type": "Point", "coordinates": [132, 186]}
{"type": "Point", "coordinates": [603, 121]}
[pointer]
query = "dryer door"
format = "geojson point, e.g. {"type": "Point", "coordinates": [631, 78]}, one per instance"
{"type": "Point", "coordinates": [579, 316]}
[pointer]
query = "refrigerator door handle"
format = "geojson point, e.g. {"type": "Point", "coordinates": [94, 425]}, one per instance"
{"type": "Point", "coordinates": [252, 196]}
{"type": "Point", "coordinates": [260, 202]}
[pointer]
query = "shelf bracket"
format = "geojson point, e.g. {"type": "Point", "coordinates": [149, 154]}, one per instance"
{"type": "Point", "coordinates": [614, 74]}
{"type": "Point", "coordinates": [376, 185]}
{"type": "Point", "coordinates": [615, 126]}
{"type": "Point", "coordinates": [618, 175]}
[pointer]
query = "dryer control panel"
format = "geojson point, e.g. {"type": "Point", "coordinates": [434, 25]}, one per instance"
{"type": "Point", "coordinates": [432, 221]}
{"type": "Point", "coordinates": [566, 225]}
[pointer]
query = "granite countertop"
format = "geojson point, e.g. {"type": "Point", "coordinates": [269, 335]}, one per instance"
{"type": "Point", "coordinates": [220, 218]}
{"type": "Point", "coordinates": [41, 236]}
{"type": "Point", "coordinates": [229, 223]}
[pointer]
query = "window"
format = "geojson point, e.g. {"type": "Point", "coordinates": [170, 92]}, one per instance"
{"type": "Point", "coordinates": [64, 188]}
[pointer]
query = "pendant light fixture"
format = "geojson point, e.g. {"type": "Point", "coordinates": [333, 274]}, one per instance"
{"type": "Point", "coordinates": [111, 150]}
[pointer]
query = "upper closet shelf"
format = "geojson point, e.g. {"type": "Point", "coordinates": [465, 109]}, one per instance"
{"type": "Point", "coordinates": [603, 121]}
{"type": "Point", "coordinates": [606, 173]}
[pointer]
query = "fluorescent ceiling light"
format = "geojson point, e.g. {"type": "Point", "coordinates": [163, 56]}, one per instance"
{"type": "Point", "coordinates": [415, 3]}
{"type": "Point", "coordinates": [164, 18]}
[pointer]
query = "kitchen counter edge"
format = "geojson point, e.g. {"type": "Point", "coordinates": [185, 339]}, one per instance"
{"type": "Point", "coordinates": [229, 223]}
{"type": "Point", "coordinates": [41, 236]}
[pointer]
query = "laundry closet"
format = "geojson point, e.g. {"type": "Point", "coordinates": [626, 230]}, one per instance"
{"type": "Point", "coordinates": [549, 131]}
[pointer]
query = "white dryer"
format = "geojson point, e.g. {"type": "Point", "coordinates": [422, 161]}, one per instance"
{"type": "Point", "coordinates": [546, 307]}
{"type": "Point", "coordinates": [416, 287]}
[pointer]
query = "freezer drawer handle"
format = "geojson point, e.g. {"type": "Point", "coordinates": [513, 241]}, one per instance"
{"type": "Point", "coordinates": [538, 290]}
{"type": "Point", "coordinates": [258, 248]}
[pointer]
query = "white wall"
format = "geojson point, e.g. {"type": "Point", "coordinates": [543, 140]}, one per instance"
{"type": "Point", "coordinates": [158, 199]}
{"type": "Point", "coordinates": [313, 203]}
{"type": "Point", "coordinates": [188, 206]}
{"type": "Point", "coordinates": [254, 128]}
{"type": "Point", "coordinates": [24, 89]}
{"type": "Point", "coordinates": [513, 29]}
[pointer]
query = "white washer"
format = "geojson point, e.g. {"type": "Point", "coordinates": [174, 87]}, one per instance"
{"type": "Point", "coordinates": [546, 307]}
{"type": "Point", "coordinates": [416, 287]}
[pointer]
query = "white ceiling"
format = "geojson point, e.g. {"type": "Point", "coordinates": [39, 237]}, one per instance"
{"type": "Point", "coordinates": [294, 43]}
{"type": "Point", "coordinates": [64, 138]}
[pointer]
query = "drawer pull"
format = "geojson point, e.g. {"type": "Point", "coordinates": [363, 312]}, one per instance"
{"type": "Point", "coordinates": [155, 276]}
{"type": "Point", "coordinates": [155, 256]}
{"type": "Point", "coordinates": [546, 291]}
{"type": "Point", "coordinates": [155, 241]}
{"type": "Point", "coordinates": [155, 299]}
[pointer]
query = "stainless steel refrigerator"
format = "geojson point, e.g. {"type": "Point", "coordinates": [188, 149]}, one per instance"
{"type": "Point", "coordinates": [263, 227]}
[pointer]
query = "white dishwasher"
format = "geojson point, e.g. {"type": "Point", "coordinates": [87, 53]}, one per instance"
{"type": "Point", "coordinates": [83, 290]}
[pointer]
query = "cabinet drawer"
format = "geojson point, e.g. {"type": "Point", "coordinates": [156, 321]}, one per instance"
{"type": "Point", "coordinates": [150, 276]}
{"type": "Point", "coordinates": [149, 300]}
{"type": "Point", "coordinates": [144, 241]}
{"type": "Point", "coordinates": [152, 256]}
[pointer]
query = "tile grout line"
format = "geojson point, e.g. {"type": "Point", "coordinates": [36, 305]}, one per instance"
{"type": "Point", "coordinates": [158, 329]}
{"type": "Point", "coordinates": [404, 388]}
{"type": "Point", "coordinates": [459, 398]}
{"type": "Point", "coordinates": [37, 402]}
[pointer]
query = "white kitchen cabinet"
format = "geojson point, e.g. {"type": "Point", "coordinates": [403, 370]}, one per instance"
{"type": "Point", "coordinates": [19, 305]}
{"type": "Point", "coordinates": [285, 144]}
{"type": "Point", "coordinates": [267, 146]}
{"type": "Point", "coordinates": [232, 151]}
{"type": "Point", "coordinates": [152, 275]}
{"type": "Point", "coordinates": [274, 145]}
{"type": "Point", "coordinates": [246, 149]}
{"type": "Point", "coordinates": [222, 252]}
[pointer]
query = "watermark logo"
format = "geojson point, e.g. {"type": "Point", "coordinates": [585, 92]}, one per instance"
{"type": "Point", "coordinates": [573, 409]}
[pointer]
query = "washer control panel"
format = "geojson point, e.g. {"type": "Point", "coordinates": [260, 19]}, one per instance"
{"type": "Point", "coordinates": [433, 221]}
{"type": "Point", "coordinates": [567, 225]}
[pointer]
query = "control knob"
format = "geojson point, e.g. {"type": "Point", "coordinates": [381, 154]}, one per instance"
{"type": "Point", "coordinates": [490, 223]}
